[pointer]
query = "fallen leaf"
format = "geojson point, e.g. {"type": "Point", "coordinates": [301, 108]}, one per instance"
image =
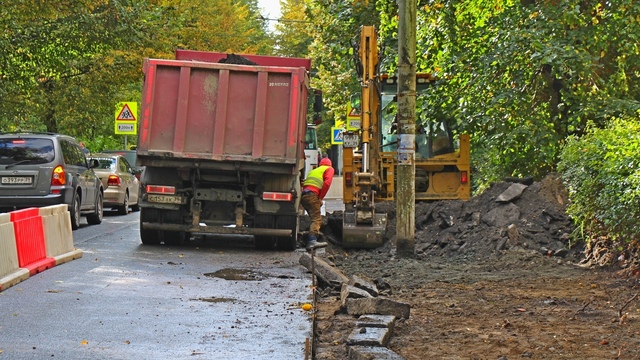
{"type": "Point", "coordinates": [127, 342]}
{"type": "Point", "coordinates": [54, 291]}
{"type": "Point", "coordinates": [604, 342]}
{"type": "Point", "coordinates": [84, 342]}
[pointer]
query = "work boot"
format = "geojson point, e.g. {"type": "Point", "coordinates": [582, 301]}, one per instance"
{"type": "Point", "coordinates": [313, 243]}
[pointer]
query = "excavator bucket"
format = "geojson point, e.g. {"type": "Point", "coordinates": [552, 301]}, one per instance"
{"type": "Point", "coordinates": [361, 235]}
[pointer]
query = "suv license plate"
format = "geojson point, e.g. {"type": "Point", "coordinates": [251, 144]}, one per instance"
{"type": "Point", "coordinates": [17, 180]}
{"type": "Point", "coordinates": [165, 199]}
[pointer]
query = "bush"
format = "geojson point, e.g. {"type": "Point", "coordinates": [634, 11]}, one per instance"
{"type": "Point", "coordinates": [601, 170]}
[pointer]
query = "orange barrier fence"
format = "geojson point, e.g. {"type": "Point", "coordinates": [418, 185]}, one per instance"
{"type": "Point", "coordinates": [33, 240]}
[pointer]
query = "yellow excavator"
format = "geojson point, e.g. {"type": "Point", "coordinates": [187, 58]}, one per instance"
{"type": "Point", "coordinates": [370, 152]}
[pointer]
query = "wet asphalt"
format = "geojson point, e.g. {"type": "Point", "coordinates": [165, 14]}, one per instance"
{"type": "Point", "coordinates": [217, 299]}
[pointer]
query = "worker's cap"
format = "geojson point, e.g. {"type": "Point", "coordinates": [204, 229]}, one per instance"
{"type": "Point", "coordinates": [325, 162]}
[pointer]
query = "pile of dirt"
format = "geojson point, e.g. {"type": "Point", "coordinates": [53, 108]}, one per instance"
{"type": "Point", "coordinates": [478, 230]}
{"type": "Point", "coordinates": [491, 278]}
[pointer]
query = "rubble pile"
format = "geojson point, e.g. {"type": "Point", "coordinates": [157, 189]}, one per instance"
{"type": "Point", "coordinates": [507, 216]}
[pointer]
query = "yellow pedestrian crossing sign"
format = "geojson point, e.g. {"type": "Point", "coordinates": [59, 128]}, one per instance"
{"type": "Point", "coordinates": [126, 116]}
{"type": "Point", "coordinates": [336, 135]}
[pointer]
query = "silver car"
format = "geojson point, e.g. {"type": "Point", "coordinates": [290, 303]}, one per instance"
{"type": "Point", "coordinates": [118, 178]}
{"type": "Point", "coordinates": [42, 169]}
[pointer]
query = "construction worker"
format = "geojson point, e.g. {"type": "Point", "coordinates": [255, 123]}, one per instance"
{"type": "Point", "coordinates": [314, 189]}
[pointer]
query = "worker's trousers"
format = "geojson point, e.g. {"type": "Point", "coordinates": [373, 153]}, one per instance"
{"type": "Point", "coordinates": [313, 205]}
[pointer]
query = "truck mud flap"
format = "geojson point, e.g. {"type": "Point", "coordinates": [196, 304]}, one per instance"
{"type": "Point", "coordinates": [362, 235]}
{"type": "Point", "coordinates": [217, 229]}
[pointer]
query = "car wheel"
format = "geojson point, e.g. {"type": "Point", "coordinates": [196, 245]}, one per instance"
{"type": "Point", "coordinates": [96, 217]}
{"type": "Point", "coordinates": [74, 212]}
{"type": "Point", "coordinates": [124, 208]}
{"type": "Point", "coordinates": [135, 207]}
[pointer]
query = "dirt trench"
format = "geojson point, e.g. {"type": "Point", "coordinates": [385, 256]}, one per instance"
{"type": "Point", "coordinates": [490, 280]}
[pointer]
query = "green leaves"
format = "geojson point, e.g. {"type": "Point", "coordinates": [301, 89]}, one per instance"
{"type": "Point", "coordinates": [602, 172]}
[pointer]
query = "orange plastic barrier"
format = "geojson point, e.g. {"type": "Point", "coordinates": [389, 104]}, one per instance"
{"type": "Point", "coordinates": [29, 234]}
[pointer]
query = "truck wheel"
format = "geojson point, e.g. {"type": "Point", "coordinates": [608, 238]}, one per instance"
{"type": "Point", "coordinates": [287, 243]}
{"type": "Point", "coordinates": [173, 237]}
{"type": "Point", "coordinates": [148, 237]}
{"type": "Point", "coordinates": [265, 242]}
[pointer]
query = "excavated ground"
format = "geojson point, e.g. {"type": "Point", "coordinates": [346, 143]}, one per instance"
{"type": "Point", "coordinates": [490, 280]}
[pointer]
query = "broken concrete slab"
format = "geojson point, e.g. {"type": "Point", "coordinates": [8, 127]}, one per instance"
{"type": "Point", "coordinates": [325, 272]}
{"type": "Point", "coordinates": [364, 284]}
{"type": "Point", "coordinates": [374, 320]}
{"type": "Point", "coordinates": [513, 192]}
{"type": "Point", "coordinates": [372, 353]}
{"type": "Point", "coordinates": [366, 336]}
{"type": "Point", "coordinates": [380, 306]}
{"type": "Point", "coordinates": [352, 292]}
{"type": "Point", "coordinates": [502, 215]}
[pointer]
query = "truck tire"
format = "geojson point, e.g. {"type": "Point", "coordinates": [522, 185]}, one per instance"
{"type": "Point", "coordinates": [287, 243]}
{"type": "Point", "coordinates": [264, 242]}
{"type": "Point", "coordinates": [173, 237]}
{"type": "Point", "coordinates": [149, 237]}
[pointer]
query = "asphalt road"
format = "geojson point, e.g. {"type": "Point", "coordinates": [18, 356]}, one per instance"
{"type": "Point", "coordinates": [123, 300]}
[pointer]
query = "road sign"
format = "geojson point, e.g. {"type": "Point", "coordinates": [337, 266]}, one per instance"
{"type": "Point", "coordinates": [336, 136]}
{"type": "Point", "coordinates": [354, 118]}
{"type": "Point", "coordinates": [126, 116]}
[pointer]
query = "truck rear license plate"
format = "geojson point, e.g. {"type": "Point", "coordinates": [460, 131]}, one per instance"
{"type": "Point", "coordinates": [17, 180]}
{"type": "Point", "coordinates": [165, 199]}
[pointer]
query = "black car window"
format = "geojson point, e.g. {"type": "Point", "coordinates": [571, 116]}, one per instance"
{"type": "Point", "coordinates": [72, 154]}
{"type": "Point", "coordinates": [26, 150]}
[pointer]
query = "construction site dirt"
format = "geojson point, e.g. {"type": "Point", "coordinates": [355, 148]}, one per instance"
{"type": "Point", "coordinates": [494, 277]}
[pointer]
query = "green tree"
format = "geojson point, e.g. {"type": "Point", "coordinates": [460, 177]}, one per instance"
{"type": "Point", "coordinates": [65, 64]}
{"type": "Point", "coordinates": [519, 76]}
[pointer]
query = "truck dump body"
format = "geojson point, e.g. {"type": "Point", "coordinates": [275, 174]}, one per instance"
{"type": "Point", "coordinates": [202, 111]}
{"type": "Point", "coordinates": [222, 140]}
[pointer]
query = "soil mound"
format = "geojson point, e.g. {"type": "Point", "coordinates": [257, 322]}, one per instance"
{"type": "Point", "coordinates": [533, 218]}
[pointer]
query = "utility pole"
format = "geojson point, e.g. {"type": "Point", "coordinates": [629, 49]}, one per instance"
{"type": "Point", "coordinates": [406, 192]}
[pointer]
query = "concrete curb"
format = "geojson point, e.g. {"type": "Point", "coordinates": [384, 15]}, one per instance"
{"type": "Point", "coordinates": [14, 278]}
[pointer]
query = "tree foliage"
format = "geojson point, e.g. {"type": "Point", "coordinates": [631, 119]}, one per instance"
{"type": "Point", "coordinates": [519, 76]}
{"type": "Point", "coordinates": [65, 64]}
{"type": "Point", "coordinates": [602, 172]}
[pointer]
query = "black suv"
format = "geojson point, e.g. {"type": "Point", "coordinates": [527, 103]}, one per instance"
{"type": "Point", "coordinates": [42, 169]}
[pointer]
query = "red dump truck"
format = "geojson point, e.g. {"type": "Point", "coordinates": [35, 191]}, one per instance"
{"type": "Point", "coordinates": [222, 143]}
